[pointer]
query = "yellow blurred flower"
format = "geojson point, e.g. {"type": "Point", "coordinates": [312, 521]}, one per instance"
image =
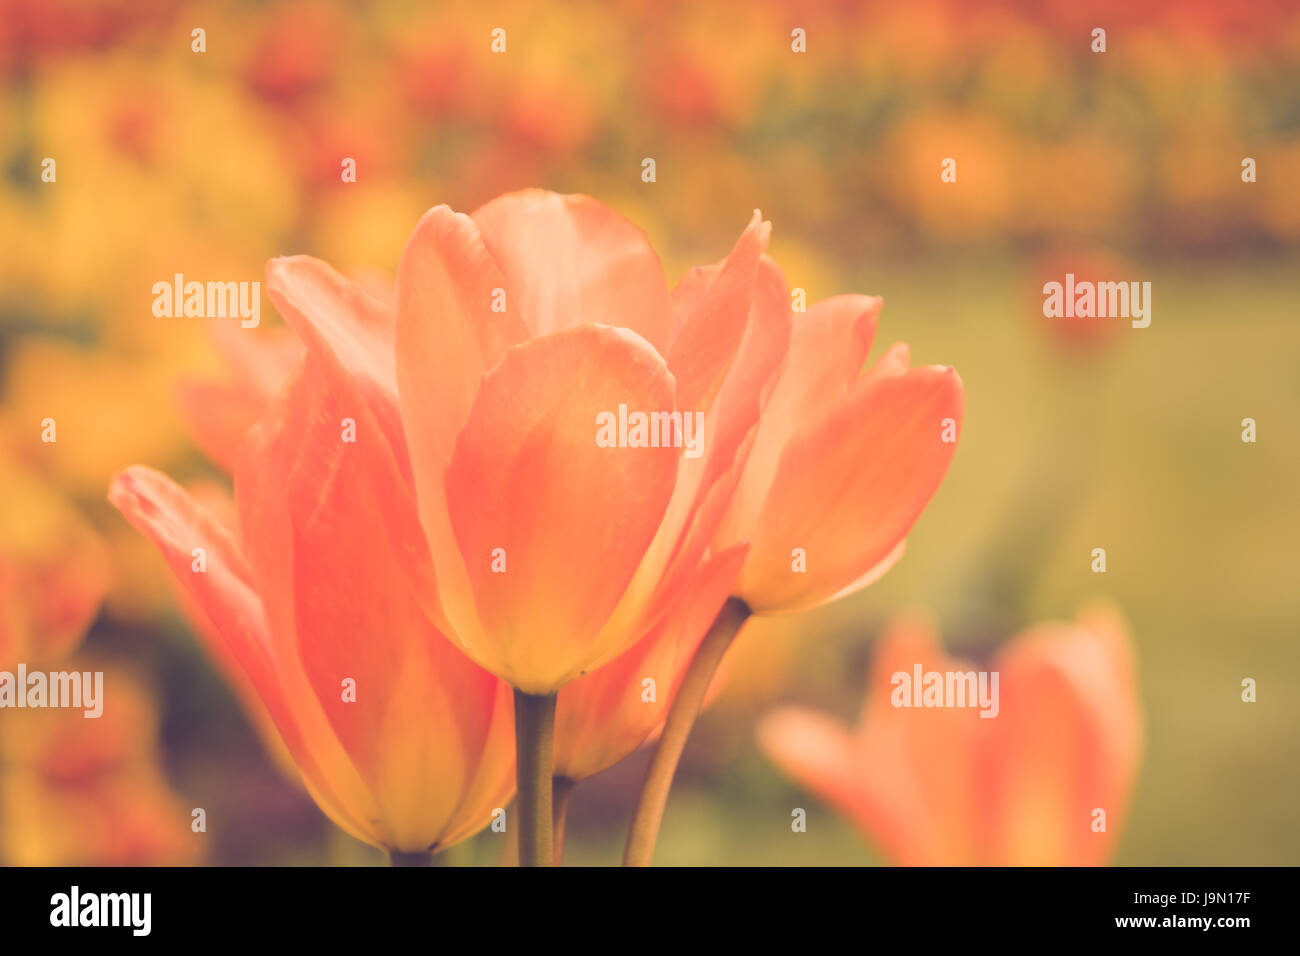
{"type": "Point", "coordinates": [53, 571]}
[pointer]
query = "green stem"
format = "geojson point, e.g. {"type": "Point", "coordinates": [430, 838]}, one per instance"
{"type": "Point", "coordinates": [417, 858]}
{"type": "Point", "coordinates": [561, 788]}
{"type": "Point", "coordinates": [682, 713]}
{"type": "Point", "coordinates": [534, 743]}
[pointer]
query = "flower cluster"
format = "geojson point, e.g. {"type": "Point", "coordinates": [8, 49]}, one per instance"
{"type": "Point", "coordinates": [424, 522]}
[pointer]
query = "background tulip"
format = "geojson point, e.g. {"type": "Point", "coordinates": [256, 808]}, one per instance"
{"type": "Point", "coordinates": [1045, 782]}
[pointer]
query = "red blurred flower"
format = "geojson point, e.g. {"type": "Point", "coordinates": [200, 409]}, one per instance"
{"type": "Point", "coordinates": [295, 53]}
{"type": "Point", "coordinates": [1073, 335]}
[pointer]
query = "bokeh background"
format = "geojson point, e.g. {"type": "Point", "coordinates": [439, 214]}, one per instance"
{"type": "Point", "coordinates": [1125, 164]}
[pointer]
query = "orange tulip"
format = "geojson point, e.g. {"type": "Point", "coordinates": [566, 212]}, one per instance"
{"type": "Point", "coordinates": [402, 741]}
{"type": "Point", "coordinates": [844, 461]}
{"type": "Point", "coordinates": [603, 717]}
{"type": "Point", "coordinates": [517, 328]}
{"type": "Point", "coordinates": [532, 294]}
{"type": "Point", "coordinates": [1045, 782]}
{"type": "Point", "coordinates": [549, 554]}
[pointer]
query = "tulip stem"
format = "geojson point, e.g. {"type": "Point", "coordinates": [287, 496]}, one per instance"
{"type": "Point", "coordinates": [561, 788]}
{"type": "Point", "coordinates": [417, 858]}
{"type": "Point", "coordinates": [534, 759]}
{"type": "Point", "coordinates": [684, 709]}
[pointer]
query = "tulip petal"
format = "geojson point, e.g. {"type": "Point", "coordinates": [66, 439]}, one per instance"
{"type": "Point", "coordinates": [705, 485]}
{"type": "Point", "coordinates": [604, 716]}
{"type": "Point", "coordinates": [448, 336]}
{"type": "Point", "coordinates": [574, 519]}
{"type": "Point", "coordinates": [816, 752]}
{"type": "Point", "coordinates": [573, 260]}
{"type": "Point", "coordinates": [260, 361]}
{"type": "Point", "coordinates": [492, 774]}
{"type": "Point", "coordinates": [218, 502]}
{"type": "Point", "coordinates": [168, 516]}
{"type": "Point", "coordinates": [352, 595]}
{"type": "Point", "coordinates": [828, 345]}
{"type": "Point", "coordinates": [733, 420]}
{"type": "Point", "coordinates": [919, 788]}
{"type": "Point", "coordinates": [904, 778]}
{"type": "Point", "coordinates": [1069, 743]}
{"type": "Point", "coordinates": [935, 784]}
{"type": "Point", "coordinates": [351, 336]}
{"type": "Point", "coordinates": [712, 306]}
{"type": "Point", "coordinates": [896, 360]}
{"type": "Point", "coordinates": [333, 316]}
{"type": "Point", "coordinates": [217, 415]}
{"type": "Point", "coordinates": [872, 574]}
{"type": "Point", "coordinates": [850, 486]}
